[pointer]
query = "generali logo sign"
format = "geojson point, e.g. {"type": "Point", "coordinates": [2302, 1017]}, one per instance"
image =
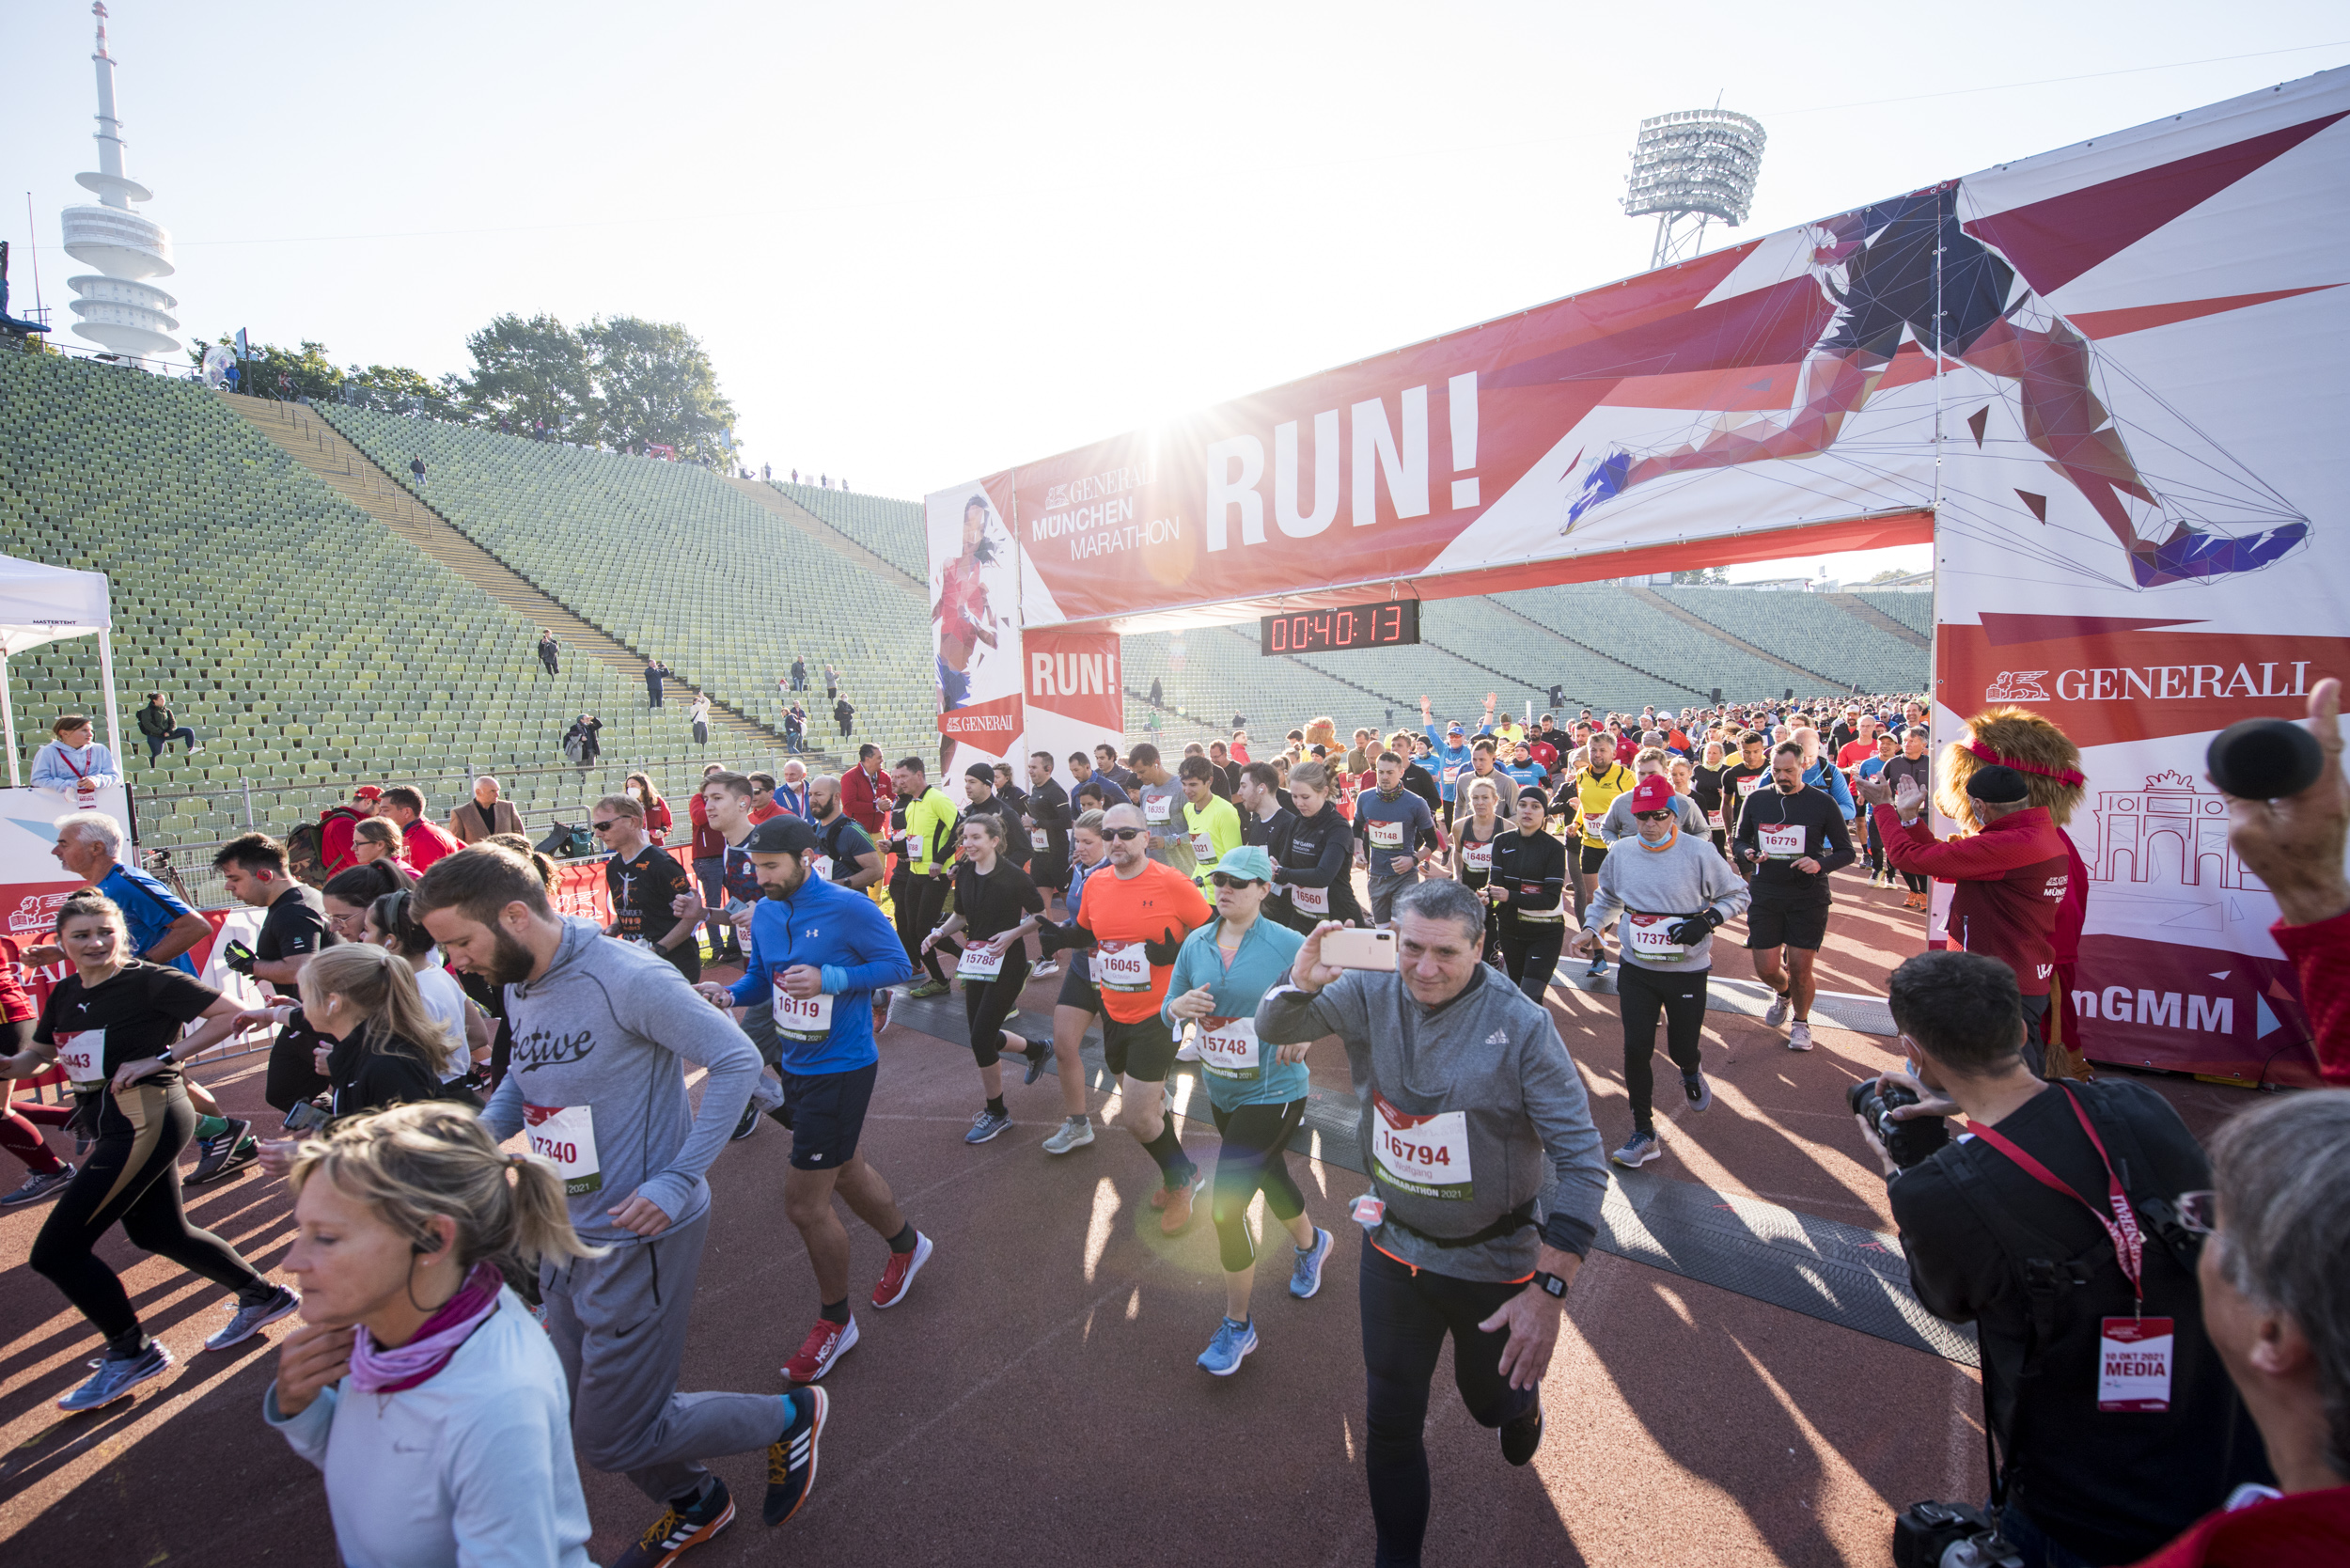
{"type": "Point", "coordinates": [2151, 683]}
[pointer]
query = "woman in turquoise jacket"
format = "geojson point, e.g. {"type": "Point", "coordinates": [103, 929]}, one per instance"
{"type": "Point", "coordinates": [1255, 1092]}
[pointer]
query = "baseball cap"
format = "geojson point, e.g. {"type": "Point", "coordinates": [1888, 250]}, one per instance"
{"type": "Point", "coordinates": [1653, 793]}
{"type": "Point", "coordinates": [1249, 863]}
{"type": "Point", "coordinates": [367, 791]}
{"type": "Point", "coordinates": [1998, 786]}
{"type": "Point", "coordinates": [1454, 729]}
{"type": "Point", "coordinates": [784, 835]}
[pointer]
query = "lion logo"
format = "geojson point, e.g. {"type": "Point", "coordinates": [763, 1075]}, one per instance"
{"type": "Point", "coordinates": [2016, 685]}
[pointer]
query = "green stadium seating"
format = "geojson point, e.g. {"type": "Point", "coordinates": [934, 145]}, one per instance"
{"type": "Point", "coordinates": [1807, 629]}
{"type": "Point", "coordinates": [1912, 610]}
{"type": "Point", "coordinates": [894, 531]}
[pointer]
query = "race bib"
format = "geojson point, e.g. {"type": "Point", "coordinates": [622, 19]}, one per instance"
{"type": "Point", "coordinates": [1158, 808]}
{"type": "Point", "coordinates": [2134, 1364]}
{"type": "Point", "coordinates": [1476, 856]}
{"type": "Point", "coordinates": [1713, 821]}
{"type": "Point", "coordinates": [1785, 842]}
{"type": "Point", "coordinates": [808, 1019]}
{"type": "Point", "coordinates": [1228, 1047]}
{"type": "Point", "coordinates": [1122, 966]}
{"type": "Point", "coordinates": [1039, 840]}
{"type": "Point", "coordinates": [819, 869]}
{"type": "Point", "coordinates": [1203, 850]}
{"type": "Point", "coordinates": [1745, 785]}
{"type": "Point", "coordinates": [979, 964]}
{"type": "Point", "coordinates": [1387, 835]}
{"type": "Point", "coordinates": [1555, 915]}
{"type": "Point", "coordinates": [82, 1054]}
{"type": "Point", "coordinates": [565, 1138]}
{"type": "Point", "coordinates": [1426, 1155]}
{"type": "Point", "coordinates": [1645, 938]}
{"type": "Point", "coordinates": [1309, 900]}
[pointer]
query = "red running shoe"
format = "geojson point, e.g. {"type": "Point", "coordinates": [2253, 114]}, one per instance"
{"type": "Point", "coordinates": [826, 1343]}
{"type": "Point", "coordinates": [898, 1276]}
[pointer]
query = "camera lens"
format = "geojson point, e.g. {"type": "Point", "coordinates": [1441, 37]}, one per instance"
{"type": "Point", "coordinates": [2264, 759]}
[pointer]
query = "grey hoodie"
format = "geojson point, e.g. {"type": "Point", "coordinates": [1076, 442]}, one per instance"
{"type": "Point", "coordinates": [611, 1027]}
{"type": "Point", "coordinates": [1491, 1055]}
{"type": "Point", "coordinates": [1682, 880]}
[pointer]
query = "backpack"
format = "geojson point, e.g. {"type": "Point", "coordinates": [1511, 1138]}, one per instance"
{"type": "Point", "coordinates": [305, 848]}
{"type": "Point", "coordinates": [569, 841]}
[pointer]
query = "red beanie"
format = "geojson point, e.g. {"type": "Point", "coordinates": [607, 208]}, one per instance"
{"type": "Point", "coordinates": [1653, 793]}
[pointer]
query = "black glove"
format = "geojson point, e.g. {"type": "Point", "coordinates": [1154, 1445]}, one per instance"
{"type": "Point", "coordinates": [240, 958]}
{"type": "Point", "coordinates": [1693, 929]}
{"type": "Point", "coordinates": [1164, 950]}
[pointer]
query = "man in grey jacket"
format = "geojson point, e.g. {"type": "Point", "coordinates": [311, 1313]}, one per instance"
{"type": "Point", "coordinates": [1486, 1181]}
{"type": "Point", "coordinates": [602, 1034]}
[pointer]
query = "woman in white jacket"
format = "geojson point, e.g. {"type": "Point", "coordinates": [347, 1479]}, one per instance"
{"type": "Point", "coordinates": [418, 1383]}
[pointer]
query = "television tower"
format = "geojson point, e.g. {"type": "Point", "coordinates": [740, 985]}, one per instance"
{"type": "Point", "coordinates": [1695, 163]}
{"type": "Point", "coordinates": [116, 310]}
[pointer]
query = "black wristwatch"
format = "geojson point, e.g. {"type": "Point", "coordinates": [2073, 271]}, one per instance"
{"type": "Point", "coordinates": [165, 1057]}
{"type": "Point", "coordinates": [1552, 1285]}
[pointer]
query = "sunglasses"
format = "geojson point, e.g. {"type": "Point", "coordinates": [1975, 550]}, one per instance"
{"type": "Point", "coordinates": [1223, 881]}
{"type": "Point", "coordinates": [607, 826]}
{"type": "Point", "coordinates": [1652, 816]}
{"type": "Point", "coordinates": [1123, 834]}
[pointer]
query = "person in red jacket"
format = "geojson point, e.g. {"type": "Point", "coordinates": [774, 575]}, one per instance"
{"type": "Point", "coordinates": [336, 827]}
{"type": "Point", "coordinates": [427, 840]}
{"type": "Point", "coordinates": [710, 864]}
{"type": "Point", "coordinates": [866, 793]}
{"type": "Point", "coordinates": [2011, 878]}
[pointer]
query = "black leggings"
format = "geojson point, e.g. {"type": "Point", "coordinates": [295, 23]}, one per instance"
{"type": "Point", "coordinates": [1255, 1155]}
{"type": "Point", "coordinates": [134, 1179]}
{"type": "Point", "coordinates": [1529, 952]}
{"type": "Point", "coordinates": [1640, 995]}
{"type": "Point", "coordinates": [1405, 1317]}
{"type": "Point", "coordinates": [918, 900]}
{"type": "Point", "coordinates": [987, 1003]}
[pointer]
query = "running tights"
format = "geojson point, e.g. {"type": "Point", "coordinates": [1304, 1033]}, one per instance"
{"type": "Point", "coordinates": [1406, 1315]}
{"type": "Point", "coordinates": [1255, 1155]}
{"type": "Point", "coordinates": [1641, 993]}
{"type": "Point", "coordinates": [987, 1003]}
{"type": "Point", "coordinates": [919, 902]}
{"type": "Point", "coordinates": [134, 1179]}
{"type": "Point", "coordinates": [20, 1137]}
{"type": "Point", "coordinates": [1530, 954]}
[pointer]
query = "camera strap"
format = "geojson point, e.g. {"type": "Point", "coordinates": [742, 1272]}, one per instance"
{"type": "Point", "coordinates": [2130, 1242]}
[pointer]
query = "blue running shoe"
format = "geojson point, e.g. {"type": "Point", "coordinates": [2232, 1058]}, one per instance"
{"type": "Point", "coordinates": [1603, 483]}
{"type": "Point", "coordinates": [1231, 1346]}
{"type": "Point", "coordinates": [1306, 1274]}
{"type": "Point", "coordinates": [116, 1377]}
{"type": "Point", "coordinates": [1637, 1150]}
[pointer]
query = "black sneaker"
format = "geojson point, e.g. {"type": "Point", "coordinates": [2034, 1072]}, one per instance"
{"type": "Point", "coordinates": [746, 1125]}
{"type": "Point", "coordinates": [1521, 1438]}
{"type": "Point", "coordinates": [792, 1458]}
{"type": "Point", "coordinates": [1038, 1056]}
{"type": "Point", "coordinates": [679, 1529]}
{"type": "Point", "coordinates": [1699, 1092]}
{"type": "Point", "coordinates": [225, 1156]}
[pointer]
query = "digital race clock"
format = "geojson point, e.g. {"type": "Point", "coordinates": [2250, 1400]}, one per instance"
{"type": "Point", "coordinates": [1394, 624]}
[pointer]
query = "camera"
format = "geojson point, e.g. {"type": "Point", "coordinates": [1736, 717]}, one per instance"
{"type": "Point", "coordinates": [1906, 1143]}
{"type": "Point", "coordinates": [2264, 759]}
{"type": "Point", "coordinates": [1949, 1535]}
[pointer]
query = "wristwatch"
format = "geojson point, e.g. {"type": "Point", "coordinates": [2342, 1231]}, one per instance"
{"type": "Point", "coordinates": [165, 1057]}
{"type": "Point", "coordinates": [1552, 1285]}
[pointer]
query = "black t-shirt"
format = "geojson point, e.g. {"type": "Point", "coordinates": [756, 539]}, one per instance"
{"type": "Point", "coordinates": [294, 927]}
{"type": "Point", "coordinates": [641, 890]}
{"type": "Point", "coordinates": [140, 1011]}
{"type": "Point", "coordinates": [996, 902]}
{"type": "Point", "coordinates": [843, 840]}
{"type": "Point", "coordinates": [1735, 789]}
{"type": "Point", "coordinates": [365, 1080]}
{"type": "Point", "coordinates": [1048, 807]}
{"type": "Point", "coordinates": [1705, 787]}
{"type": "Point", "coordinates": [1827, 840]}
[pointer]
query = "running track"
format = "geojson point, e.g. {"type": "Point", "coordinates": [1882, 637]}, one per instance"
{"type": "Point", "coordinates": [1034, 1401]}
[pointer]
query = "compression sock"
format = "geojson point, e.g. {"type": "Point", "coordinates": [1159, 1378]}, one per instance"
{"type": "Point", "coordinates": [836, 1311]}
{"type": "Point", "coordinates": [902, 1242]}
{"type": "Point", "coordinates": [1168, 1149]}
{"type": "Point", "coordinates": [211, 1126]}
{"type": "Point", "coordinates": [996, 1105]}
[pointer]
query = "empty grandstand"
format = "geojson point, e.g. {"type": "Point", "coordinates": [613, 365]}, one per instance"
{"type": "Point", "coordinates": [894, 531]}
{"type": "Point", "coordinates": [1808, 631]}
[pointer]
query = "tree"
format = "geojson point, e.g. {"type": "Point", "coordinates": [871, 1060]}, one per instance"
{"type": "Point", "coordinates": [654, 383]}
{"type": "Point", "coordinates": [397, 389]}
{"type": "Point", "coordinates": [308, 373]}
{"type": "Point", "coordinates": [1703, 575]}
{"type": "Point", "coordinates": [531, 370]}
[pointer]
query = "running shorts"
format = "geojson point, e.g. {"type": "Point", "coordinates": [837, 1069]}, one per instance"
{"type": "Point", "coordinates": [827, 1115]}
{"type": "Point", "coordinates": [1594, 857]}
{"type": "Point", "coordinates": [1077, 989]}
{"type": "Point", "coordinates": [1142, 1052]}
{"type": "Point", "coordinates": [1777, 925]}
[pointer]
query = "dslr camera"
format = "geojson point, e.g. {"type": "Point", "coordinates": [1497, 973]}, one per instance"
{"type": "Point", "coordinates": [1949, 1535]}
{"type": "Point", "coordinates": [1906, 1143]}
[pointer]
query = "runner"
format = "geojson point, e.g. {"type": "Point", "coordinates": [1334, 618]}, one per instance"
{"type": "Point", "coordinates": [44, 1173]}
{"type": "Point", "coordinates": [820, 952]}
{"type": "Point", "coordinates": [114, 1025]}
{"type": "Point", "coordinates": [1156, 791]}
{"type": "Point", "coordinates": [923, 826]}
{"type": "Point", "coordinates": [1473, 854]}
{"type": "Point", "coordinates": [1652, 763]}
{"type": "Point", "coordinates": [400, 1219]}
{"type": "Point", "coordinates": [1595, 789]}
{"type": "Point", "coordinates": [1486, 1180]}
{"type": "Point", "coordinates": [1918, 767]}
{"type": "Point", "coordinates": [1529, 879]}
{"type": "Point", "coordinates": [846, 856]}
{"type": "Point", "coordinates": [253, 867]}
{"type": "Point", "coordinates": [710, 864]}
{"type": "Point", "coordinates": [1255, 1092]}
{"type": "Point", "coordinates": [1210, 820]}
{"type": "Point", "coordinates": [1672, 890]}
{"type": "Point", "coordinates": [1137, 916]}
{"type": "Point", "coordinates": [1316, 863]}
{"type": "Point", "coordinates": [1082, 772]}
{"type": "Point", "coordinates": [1792, 837]}
{"type": "Point", "coordinates": [998, 905]}
{"type": "Point", "coordinates": [1740, 780]}
{"type": "Point", "coordinates": [1080, 1001]}
{"type": "Point", "coordinates": [644, 886]}
{"type": "Point", "coordinates": [1395, 834]}
{"type": "Point", "coordinates": [602, 1034]}
{"type": "Point", "coordinates": [1887, 746]}
{"type": "Point", "coordinates": [1451, 754]}
{"type": "Point", "coordinates": [1046, 819]}
{"type": "Point", "coordinates": [1705, 788]}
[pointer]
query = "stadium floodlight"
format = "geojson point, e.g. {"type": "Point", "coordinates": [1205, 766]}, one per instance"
{"type": "Point", "coordinates": [1693, 164]}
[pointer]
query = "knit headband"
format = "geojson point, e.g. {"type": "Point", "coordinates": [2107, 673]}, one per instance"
{"type": "Point", "coordinates": [2062, 776]}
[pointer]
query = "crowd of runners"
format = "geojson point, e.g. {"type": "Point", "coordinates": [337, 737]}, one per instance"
{"type": "Point", "coordinates": [501, 1177]}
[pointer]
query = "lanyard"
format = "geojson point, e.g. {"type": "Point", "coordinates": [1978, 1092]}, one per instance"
{"type": "Point", "coordinates": [2129, 1243]}
{"type": "Point", "coordinates": [65, 755]}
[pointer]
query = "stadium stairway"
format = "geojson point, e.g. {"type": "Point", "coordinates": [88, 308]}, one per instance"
{"type": "Point", "coordinates": [824, 533]}
{"type": "Point", "coordinates": [1852, 604]}
{"type": "Point", "coordinates": [352, 475]}
{"type": "Point", "coordinates": [1811, 677]}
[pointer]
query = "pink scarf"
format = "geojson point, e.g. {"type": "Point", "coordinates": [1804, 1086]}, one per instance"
{"type": "Point", "coordinates": [375, 1370]}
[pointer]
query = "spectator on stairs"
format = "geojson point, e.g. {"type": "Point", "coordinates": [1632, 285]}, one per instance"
{"type": "Point", "coordinates": [156, 724]}
{"type": "Point", "coordinates": [698, 715]}
{"type": "Point", "coordinates": [550, 652]}
{"type": "Point", "coordinates": [579, 741]}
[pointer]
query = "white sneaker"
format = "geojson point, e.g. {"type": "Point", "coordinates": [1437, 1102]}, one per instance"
{"type": "Point", "coordinates": [1190, 1050]}
{"type": "Point", "coordinates": [1776, 1014]}
{"type": "Point", "coordinates": [1074, 1132]}
{"type": "Point", "coordinates": [1799, 1036]}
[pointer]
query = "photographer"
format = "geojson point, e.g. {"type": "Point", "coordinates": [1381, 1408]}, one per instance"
{"type": "Point", "coordinates": [2025, 1230]}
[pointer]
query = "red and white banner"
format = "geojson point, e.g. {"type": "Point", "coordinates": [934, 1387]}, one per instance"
{"type": "Point", "coordinates": [1075, 697]}
{"type": "Point", "coordinates": [2105, 382]}
{"type": "Point", "coordinates": [975, 628]}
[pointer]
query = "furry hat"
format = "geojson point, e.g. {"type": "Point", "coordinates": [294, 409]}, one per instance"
{"type": "Point", "coordinates": [2020, 739]}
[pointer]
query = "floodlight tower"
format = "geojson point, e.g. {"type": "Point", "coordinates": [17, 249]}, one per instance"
{"type": "Point", "coordinates": [116, 308]}
{"type": "Point", "coordinates": [1696, 164]}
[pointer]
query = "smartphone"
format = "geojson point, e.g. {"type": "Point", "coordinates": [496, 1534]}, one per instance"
{"type": "Point", "coordinates": [1356, 948]}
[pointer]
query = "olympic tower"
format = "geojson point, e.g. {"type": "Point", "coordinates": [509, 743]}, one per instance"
{"type": "Point", "coordinates": [117, 310]}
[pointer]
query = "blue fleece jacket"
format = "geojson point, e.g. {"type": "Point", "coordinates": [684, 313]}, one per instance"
{"type": "Point", "coordinates": [1449, 759]}
{"type": "Point", "coordinates": [1820, 775]}
{"type": "Point", "coordinates": [843, 934]}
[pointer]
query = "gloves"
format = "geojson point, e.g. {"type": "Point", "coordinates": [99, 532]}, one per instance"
{"type": "Point", "coordinates": [1694, 927]}
{"type": "Point", "coordinates": [1164, 950]}
{"type": "Point", "coordinates": [240, 958]}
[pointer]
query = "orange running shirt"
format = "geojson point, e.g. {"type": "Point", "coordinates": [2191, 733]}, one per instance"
{"type": "Point", "coordinates": [1156, 903]}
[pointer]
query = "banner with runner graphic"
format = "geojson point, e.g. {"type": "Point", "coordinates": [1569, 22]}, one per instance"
{"type": "Point", "coordinates": [975, 627]}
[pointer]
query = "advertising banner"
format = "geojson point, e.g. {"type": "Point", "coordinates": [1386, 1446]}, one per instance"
{"type": "Point", "coordinates": [975, 627]}
{"type": "Point", "coordinates": [1075, 700]}
{"type": "Point", "coordinates": [2104, 381]}
{"type": "Point", "coordinates": [32, 883]}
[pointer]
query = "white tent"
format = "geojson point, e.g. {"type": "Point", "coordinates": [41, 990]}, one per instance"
{"type": "Point", "coordinates": [42, 604]}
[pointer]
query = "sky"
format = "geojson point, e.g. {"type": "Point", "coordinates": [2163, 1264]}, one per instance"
{"type": "Point", "coordinates": [925, 242]}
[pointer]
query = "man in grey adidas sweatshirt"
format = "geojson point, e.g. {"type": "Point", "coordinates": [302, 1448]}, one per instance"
{"type": "Point", "coordinates": [603, 1032]}
{"type": "Point", "coordinates": [1486, 1181]}
{"type": "Point", "coordinates": [1667, 887]}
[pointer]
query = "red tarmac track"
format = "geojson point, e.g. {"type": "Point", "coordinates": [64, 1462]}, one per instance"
{"type": "Point", "coordinates": [1034, 1399]}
